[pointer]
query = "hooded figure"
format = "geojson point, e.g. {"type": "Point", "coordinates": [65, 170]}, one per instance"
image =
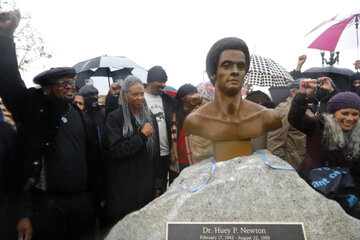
{"type": "Point", "coordinates": [90, 95]}
{"type": "Point", "coordinates": [355, 83]}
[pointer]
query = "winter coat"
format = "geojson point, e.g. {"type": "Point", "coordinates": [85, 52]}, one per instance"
{"type": "Point", "coordinates": [168, 100]}
{"type": "Point", "coordinates": [287, 142]}
{"type": "Point", "coordinates": [131, 170]}
{"type": "Point", "coordinates": [8, 158]}
{"type": "Point", "coordinates": [38, 120]}
{"type": "Point", "coordinates": [317, 155]}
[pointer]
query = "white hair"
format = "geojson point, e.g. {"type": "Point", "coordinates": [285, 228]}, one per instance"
{"type": "Point", "coordinates": [144, 114]}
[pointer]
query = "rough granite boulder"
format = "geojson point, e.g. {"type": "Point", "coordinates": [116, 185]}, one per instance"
{"type": "Point", "coordinates": [243, 189]}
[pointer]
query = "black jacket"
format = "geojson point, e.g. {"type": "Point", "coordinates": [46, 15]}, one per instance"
{"type": "Point", "coordinates": [168, 100]}
{"type": "Point", "coordinates": [8, 159]}
{"type": "Point", "coordinates": [132, 172]}
{"type": "Point", "coordinates": [169, 105]}
{"type": "Point", "coordinates": [38, 119]}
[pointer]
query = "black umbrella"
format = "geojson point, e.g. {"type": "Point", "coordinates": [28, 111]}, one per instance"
{"type": "Point", "coordinates": [279, 94]}
{"type": "Point", "coordinates": [108, 67]}
{"type": "Point", "coordinates": [340, 76]}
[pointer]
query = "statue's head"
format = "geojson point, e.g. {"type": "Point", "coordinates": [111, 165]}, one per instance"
{"type": "Point", "coordinates": [230, 43]}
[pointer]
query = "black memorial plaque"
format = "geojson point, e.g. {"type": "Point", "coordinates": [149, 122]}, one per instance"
{"type": "Point", "coordinates": [234, 231]}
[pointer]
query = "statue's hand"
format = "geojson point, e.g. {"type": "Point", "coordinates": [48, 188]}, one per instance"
{"type": "Point", "coordinates": [9, 22]}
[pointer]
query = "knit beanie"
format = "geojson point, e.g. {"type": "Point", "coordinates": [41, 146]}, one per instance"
{"type": "Point", "coordinates": [88, 90]}
{"type": "Point", "coordinates": [343, 100]}
{"type": "Point", "coordinates": [156, 73]}
{"type": "Point", "coordinates": [185, 90]}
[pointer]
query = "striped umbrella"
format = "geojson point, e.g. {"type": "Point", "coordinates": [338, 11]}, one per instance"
{"type": "Point", "coordinates": [109, 67]}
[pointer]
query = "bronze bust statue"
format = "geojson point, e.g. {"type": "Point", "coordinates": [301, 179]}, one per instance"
{"type": "Point", "coordinates": [229, 120]}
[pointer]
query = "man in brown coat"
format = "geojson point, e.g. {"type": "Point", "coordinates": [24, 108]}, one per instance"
{"type": "Point", "coordinates": [287, 142]}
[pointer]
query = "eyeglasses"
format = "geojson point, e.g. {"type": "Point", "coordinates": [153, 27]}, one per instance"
{"type": "Point", "coordinates": [62, 83]}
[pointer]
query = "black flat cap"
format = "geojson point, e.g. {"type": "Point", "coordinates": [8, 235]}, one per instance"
{"type": "Point", "coordinates": [45, 78]}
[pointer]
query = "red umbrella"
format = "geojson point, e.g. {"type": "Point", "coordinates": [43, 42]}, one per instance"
{"type": "Point", "coordinates": [341, 34]}
{"type": "Point", "coordinates": [170, 90]}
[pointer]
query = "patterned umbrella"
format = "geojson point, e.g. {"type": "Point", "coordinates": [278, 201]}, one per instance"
{"type": "Point", "coordinates": [206, 90]}
{"type": "Point", "coordinates": [265, 72]}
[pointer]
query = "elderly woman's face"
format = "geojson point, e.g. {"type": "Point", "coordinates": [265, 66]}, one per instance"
{"type": "Point", "coordinates": [346, 118]}
{"type": "Point", "coordinates": [135, 96]}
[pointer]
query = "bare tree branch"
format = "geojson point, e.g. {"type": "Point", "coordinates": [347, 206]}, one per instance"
{"type": "Point", "coordinates": [30, 45]}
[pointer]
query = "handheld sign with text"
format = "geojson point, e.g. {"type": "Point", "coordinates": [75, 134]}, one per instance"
{"type": "Point", "coordinates": [234, 231]}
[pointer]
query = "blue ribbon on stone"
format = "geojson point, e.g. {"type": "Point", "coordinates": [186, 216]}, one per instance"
{"type": "Point", "coordinates": [272, 166]}
{"type": "Point", "coordinates": [195, 189]}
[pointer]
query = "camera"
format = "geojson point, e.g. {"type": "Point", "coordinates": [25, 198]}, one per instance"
{"type": "Point", "coordinates": [319, 83]}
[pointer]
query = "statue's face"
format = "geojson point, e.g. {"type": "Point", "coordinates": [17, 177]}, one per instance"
{"type": "Point", "coordinates": [230, 73]}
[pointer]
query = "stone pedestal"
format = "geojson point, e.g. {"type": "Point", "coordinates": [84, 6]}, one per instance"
{"type": "Point", "coordinates": [243, 189]}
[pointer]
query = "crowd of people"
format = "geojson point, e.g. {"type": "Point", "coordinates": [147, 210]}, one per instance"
{"type": "Point", "coordinates": [71, 169]}
{"type": "Point", "coordinates": [74, 168]}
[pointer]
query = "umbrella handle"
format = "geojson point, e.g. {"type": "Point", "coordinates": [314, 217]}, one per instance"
{"type": "Point", "coordinates": [108, 71]}
{"type": "Point", "coordinates": [357, 35]}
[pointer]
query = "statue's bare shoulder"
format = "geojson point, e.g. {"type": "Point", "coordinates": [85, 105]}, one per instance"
{"type": "Point", "coordinates": [269, 117]}
{"type": "Point", "coordinates": [195, 118]}
{"type": "Point", "coordinates": [253, 120]}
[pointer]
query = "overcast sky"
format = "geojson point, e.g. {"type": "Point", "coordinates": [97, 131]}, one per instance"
{"type": "Point", "coordinates": [178, 34]}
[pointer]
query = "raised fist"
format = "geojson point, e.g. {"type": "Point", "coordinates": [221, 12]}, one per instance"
{"type": "Point", "coordinates": [9, 22]}
{"type": "Point", "coordinates": [301, 61]}
{"type": "Point", "coordinates": [357, 64]}
{"type": "Point", "coordinates": [115, 88]}
{"type": "Point", "coordinates": [147, 130]}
